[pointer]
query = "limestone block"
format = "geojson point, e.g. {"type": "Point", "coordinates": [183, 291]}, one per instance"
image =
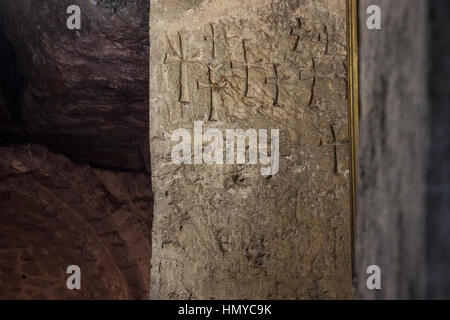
{"type": "Point", "coordinates": [228, 231]}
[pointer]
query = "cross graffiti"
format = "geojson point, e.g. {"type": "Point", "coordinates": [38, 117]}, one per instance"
{"type": "Point", "coordinates": [295, 32]}
{"type": "Point", "coordinates": [183, 59]}
{"type": "Point", "coordinates": [247, 66]}
{"type": "Point", "coordinates": [214, 95]}
{"type": "Point", "coordinates": [277, 80]}
{"type": "Point", "coordinates": [213, 38]}
{"type": "Point", "coordinates": [335, 144]}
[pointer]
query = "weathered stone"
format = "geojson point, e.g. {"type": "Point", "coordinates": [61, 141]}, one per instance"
{"type": "Point", "coordinates": [393, 142]}
{"type": "Point", "coordinates": [226, 231]}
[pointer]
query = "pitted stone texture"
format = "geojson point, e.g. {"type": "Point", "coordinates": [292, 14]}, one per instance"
{"type": "Point", "coordinates": [227, 231]}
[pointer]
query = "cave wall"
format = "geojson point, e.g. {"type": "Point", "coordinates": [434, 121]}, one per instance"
{"type": "Point", "coordinates": [54, 213]}
{"type": "Point", "coordinates": [75, 187]}
{"type": "Point", "coordinates": [82, 92]}
{"type": "Point", "coordinates": [391, 214]}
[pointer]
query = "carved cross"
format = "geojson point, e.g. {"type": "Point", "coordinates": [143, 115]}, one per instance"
{"type": "Point", "coordinates": [277, 81]}
{"type": "Point", "coordinates": [295, 32]}
{"type": "Point", "coordinates": [228, 37]}
{"type": "Point", "coordinates": [215, 99]}
{"type": "Point", "coordinates": [308, 73]}
{"type": "Point", "coordinates": [335, 143]}
{"type": "Point", "coordinates": [317, 37]}
{"type": "Point", "coordinates": [183, 59]}
{"type": "Point", "coordinates": [247, 66]}
{"type": "Point", "coordinates": [213, 39]}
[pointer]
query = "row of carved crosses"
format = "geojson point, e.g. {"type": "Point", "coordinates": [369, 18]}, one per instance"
{"type": "Point", "coordinates": [183, 59]}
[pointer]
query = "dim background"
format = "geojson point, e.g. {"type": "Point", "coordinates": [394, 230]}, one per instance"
{"type": "Point", "coordinates": [438, 174]}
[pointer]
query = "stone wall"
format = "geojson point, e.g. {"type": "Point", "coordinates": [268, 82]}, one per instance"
{"type": "Point", "coordinates": [393, 142]}
{"type": "Point", "coordinates": [229, 231]}
{"type": "Point", "coordinates": [219, 231]}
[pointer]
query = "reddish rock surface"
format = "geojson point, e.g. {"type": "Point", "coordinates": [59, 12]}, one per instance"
{"type": "Point", "coordinates": [54, 213]}
{"type": "Point", "coordinates": [75, 186]}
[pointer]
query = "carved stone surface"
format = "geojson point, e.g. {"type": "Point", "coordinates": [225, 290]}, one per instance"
{"type": "Point", "coordinates": [226, 231]}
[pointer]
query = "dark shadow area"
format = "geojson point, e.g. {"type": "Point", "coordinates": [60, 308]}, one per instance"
{"type": "Point", "coordinates": [84, 93]}
{"type": "Point", "coordinates": [438, 175]}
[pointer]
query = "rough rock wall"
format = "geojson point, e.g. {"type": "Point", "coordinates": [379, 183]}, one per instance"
{"type": "Point", "coordinates": [438, 178]}
{"type": "Point", "coordinates": [54, 213]}
{"type": "Point", "coordinates": [84, 93]}
{"type": "Point", "coordinates": [393, 144]}
{"type": "Point", "coordinates": [227, 231]}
